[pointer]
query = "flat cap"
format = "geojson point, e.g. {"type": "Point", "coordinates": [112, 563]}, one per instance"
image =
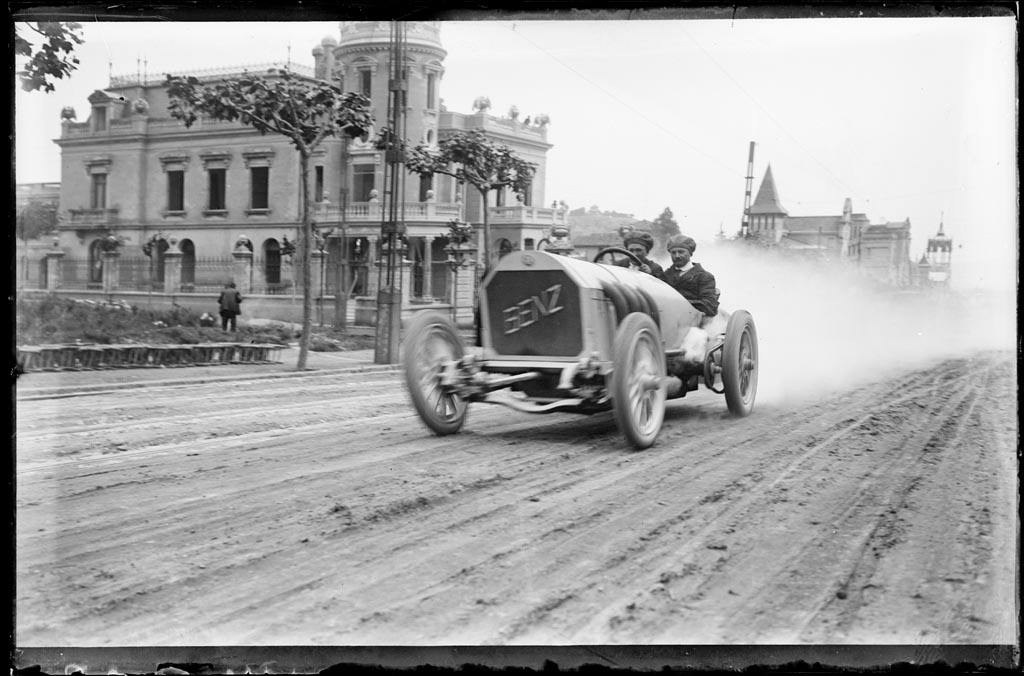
{"type": "Point", "coordinates": [681, 241]}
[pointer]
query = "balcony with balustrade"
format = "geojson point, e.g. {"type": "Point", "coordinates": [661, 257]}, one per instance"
{"type": "Point", "coordinates": [91, 219]}
{"type": "Point", "coordinates": [527, 215]}
{"type": "Point", "coordinates": [328, 215]}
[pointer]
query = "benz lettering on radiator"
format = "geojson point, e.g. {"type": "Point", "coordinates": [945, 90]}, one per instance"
{"type": "Point", "coordinates": [530, 310]}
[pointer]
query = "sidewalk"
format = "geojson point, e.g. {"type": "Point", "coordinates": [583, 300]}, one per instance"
{"type": "Point", "coordinates": [69, 383]}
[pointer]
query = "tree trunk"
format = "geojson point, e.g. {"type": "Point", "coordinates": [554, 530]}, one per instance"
{"type": "Point", "coordinates": [305, 246]}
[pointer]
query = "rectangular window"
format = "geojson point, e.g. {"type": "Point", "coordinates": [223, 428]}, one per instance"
{"type": "Point", "coordinates": [432, 90]}
{"type": "Point", "coordinates": [528, 196]}
{"type": "Point", "coordinates": [426, 184]}
{"type": "Point", "coordinates": [218, 186]}
{"type": "Point", "coordinates": [100, 119]}
{"type": "Point", "coordinates": [366, 82]}
{"type": "Point", "coordinates": [362, 182]}
{"type": "Point", "coordinates": [499, 196]}
{"type": "Point", "coordinates": [176, 190]}
{"type": "Point", "coordinates": [318, 186]}
{"type": "Point", "coordinates": [98, 196]}
{"type": "Point", "coordinates": [260, 185]}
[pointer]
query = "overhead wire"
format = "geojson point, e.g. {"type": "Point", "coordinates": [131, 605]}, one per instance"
{"type": "Point", "coordinates": [771, 117]}
{"type": "Point", "coordinates": [625, 104]}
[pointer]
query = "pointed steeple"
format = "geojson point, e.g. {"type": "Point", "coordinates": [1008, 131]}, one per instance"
{"type": "Point", "coordinates": [767, 200]}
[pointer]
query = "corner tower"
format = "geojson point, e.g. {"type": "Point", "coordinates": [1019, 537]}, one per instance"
{"type": "Point", "coordinates": [939, 255]}
{"type": "Point", "coordinates": [359, 62]}
{"type": "Point", "coordinates": [767, 215]}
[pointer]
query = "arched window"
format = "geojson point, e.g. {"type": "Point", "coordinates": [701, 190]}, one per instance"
{"type": "Point", "coordinates": [188, 262]}
{"type": "Point", "coordinates": [96, 262]}
{"type": "Point", "coordinates": [272, 261]}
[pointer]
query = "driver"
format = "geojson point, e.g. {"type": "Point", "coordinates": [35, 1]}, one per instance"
{"type": "Point", "coordinates": [640, 244]}
{"type": "Point", "coordinates": [696, 284]}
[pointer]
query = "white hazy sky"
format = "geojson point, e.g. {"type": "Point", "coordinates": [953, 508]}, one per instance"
{"type": "Point", "coordinates": [910, 118]}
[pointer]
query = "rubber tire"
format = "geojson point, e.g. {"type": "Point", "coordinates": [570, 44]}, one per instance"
{"type": "Point", "coordinates": [740, 384]}
{"type": "Point", "coordinates": [442, 413]}
{"type": "Point", "coordinates": [638, 351]}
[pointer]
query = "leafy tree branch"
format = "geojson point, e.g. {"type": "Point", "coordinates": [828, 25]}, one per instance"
{"type": "Point", "coordinates": [53, 59]}
{"type": "Point", "coordinates": [304, 111]}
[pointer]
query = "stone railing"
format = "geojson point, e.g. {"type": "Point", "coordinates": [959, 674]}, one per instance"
{"type": "Point", "coordinates": [91, 218]}
{"type": "Point", "coordinates": [370, 212]}
{"type": "Point", "coordinates": [524, 214]}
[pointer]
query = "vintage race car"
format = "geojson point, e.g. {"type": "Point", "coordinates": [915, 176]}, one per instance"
{"type": "Point", "coordinates": [563, 334]}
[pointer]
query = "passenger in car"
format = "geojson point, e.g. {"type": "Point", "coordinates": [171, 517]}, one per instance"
{"type": "Point", "coordinates": [696, 284]}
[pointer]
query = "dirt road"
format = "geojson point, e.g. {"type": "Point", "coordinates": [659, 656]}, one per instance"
{"type": "Point", "coordinates": [320, 511]}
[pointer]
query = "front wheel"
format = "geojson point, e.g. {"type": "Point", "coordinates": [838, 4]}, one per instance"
{"type": "Point", "coordinates": [739, 363]}
{"type": "Point", "coordinates": [638, 379]}
{"type": "Point", "coordinates": [432, 345]}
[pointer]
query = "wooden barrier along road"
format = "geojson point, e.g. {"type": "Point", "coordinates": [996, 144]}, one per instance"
{"type": "Point", "coordinates": [86, 357]}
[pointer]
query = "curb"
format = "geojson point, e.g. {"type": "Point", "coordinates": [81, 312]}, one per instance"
{"type": "Point", "coordinates": [86, 390]}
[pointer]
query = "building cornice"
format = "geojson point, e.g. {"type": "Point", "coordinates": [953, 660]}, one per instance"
{"type": "Point", "coordinates": [378, 47]}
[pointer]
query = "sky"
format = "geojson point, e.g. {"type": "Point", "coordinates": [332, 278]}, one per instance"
{"type": "Point", "coordinates": [909, 118]}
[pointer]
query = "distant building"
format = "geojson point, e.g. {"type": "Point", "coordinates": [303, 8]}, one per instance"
{"type": "Point", "coordinates": [131, 171]}
{"type": "Point", "coordinates": [881, 250]}
{"type": "Point", "coordinates": [935, 267]}
{"type": "Point", "coordinates": [30, 269]}
{"type": "Point", "coordinates": [45, 193]}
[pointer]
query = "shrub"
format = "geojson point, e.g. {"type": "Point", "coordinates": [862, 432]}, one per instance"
{"type": "Point", "coordinates": [319, 343]}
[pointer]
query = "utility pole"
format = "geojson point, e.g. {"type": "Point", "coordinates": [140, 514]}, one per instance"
{"type": "Point", "coordinates": [342, 286]}
{"type": "Point", "coordinates": [745, 225]}
{"type": "Point", "coordinates": [389, 294]}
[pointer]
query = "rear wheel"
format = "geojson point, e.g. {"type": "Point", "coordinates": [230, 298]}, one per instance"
{"type": "Point", "coordinates": [739, 363]}
{"type": "Point", "coordinates": [638, 380]}
{"type": "Point", "coordinates": [432, 344]}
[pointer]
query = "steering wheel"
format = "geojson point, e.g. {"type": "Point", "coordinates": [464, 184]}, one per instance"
{"type": "Point", "coordinates": [608, 251]}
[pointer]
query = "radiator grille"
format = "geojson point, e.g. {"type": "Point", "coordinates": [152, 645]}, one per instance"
{"type": "Point", "coordinates": [534, 313]}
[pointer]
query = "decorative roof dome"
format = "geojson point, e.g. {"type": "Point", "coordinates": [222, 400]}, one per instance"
{"type": "Point", "coordinates": [418, 33]}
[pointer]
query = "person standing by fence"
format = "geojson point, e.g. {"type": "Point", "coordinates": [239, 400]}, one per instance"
{"type": "Point", "coordinates": [230, 306]}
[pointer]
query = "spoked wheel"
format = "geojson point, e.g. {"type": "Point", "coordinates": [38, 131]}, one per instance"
{"type": "Point", "coordinates": [638, 380]}
{"type": "Point", "coordinates": [739, 363]}
{"type": "Point", "coordinates": [431, 345]}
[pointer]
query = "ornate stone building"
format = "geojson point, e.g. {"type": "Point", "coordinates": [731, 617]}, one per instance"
{"type": "Point", "coordinates": [131, 172]}
{"type": "Point", "coordinates": [879, 250]}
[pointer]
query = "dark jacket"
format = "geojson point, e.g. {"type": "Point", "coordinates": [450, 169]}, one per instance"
{"type": "Point", "coordinates": [229, 301]}
{"type": "Point", "coordinates": [656, 270]}
{"type": "Point", "coordinates": [697, 285]}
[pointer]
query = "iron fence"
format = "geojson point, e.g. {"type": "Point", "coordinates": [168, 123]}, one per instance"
{"type": "Point", "coordinates": [207, 275]}
{"type": "Point", "coordinates": [81, 273]}
{"type": "Point", "coordinates": [31, 274]}
{"type": "Point", "coordinates": [274, 277]}
{"type": "Point", "coordinates": [138, 273]}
